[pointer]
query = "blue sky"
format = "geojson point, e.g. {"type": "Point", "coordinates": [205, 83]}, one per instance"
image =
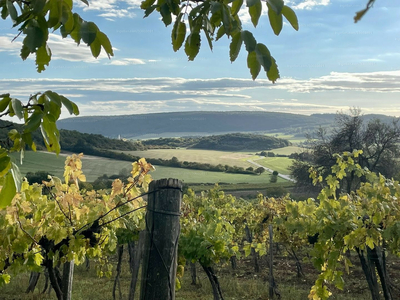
{"type": "Point", "coordinates": [329, 65]}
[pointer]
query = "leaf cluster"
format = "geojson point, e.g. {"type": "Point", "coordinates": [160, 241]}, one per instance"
{"type": "Point", "coordinates": [216, 19]}
{"type": "Point", "coordinates": [68, 223]}
{"type": "Point", "coordinates": [36, 18]}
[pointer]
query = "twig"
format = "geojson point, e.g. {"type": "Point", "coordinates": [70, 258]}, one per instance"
{"type": "Point", "coordinates": [59, 205]}
{"type": "Point", "coordinates": [126, 202]}
{"type": "Point", "coordinates": [123, 215]}
{"type": "Point", "coordinates": [27, 233]}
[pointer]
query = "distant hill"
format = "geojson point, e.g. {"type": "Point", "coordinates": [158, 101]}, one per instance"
{"type": "Point", "coordinates": [224, 142]}
{"type": "Point", "coordinates": [191, 123]}
{"type": "Point", "coordinates": [177, 124]}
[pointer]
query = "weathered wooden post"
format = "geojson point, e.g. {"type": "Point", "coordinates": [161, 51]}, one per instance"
{"type": "Point", "coordinates": [68, 276]}
{"type": "Point", "coordinates": [161, 243]}
{"type": "Point", "coordinates": [271, 264]}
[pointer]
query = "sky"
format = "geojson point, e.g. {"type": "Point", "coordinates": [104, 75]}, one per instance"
{"type": "Point", "coordinates": [331, 64]}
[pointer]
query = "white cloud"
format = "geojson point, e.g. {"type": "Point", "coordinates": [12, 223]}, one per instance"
{"type": "Point", "coordinates": [329, 93]}
{"type": "Point", "coordinates": [307, 4]}
{"type": "Point", "coordinates": [111, 9]}
{"type": "Point", "coordinates": [127, 61]}
{"type": "Point", "coordinates": [7, 45]}
{"type": "Point", "coordinates": [117, 13]}
{"type": "Point", "coordinates": [381, 82]}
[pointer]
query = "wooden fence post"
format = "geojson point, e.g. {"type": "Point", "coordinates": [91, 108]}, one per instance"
{"type": "Point", "coordinates": [68, 276]}
{"type": "Point", "coordinates": [161, 243]}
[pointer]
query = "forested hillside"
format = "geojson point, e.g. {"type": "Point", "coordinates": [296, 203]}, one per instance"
{"type": "Point", "coordinates": [72, 140]}
{"type": "Point", "coordinates": [200, 123]}
{"type": "Point", "coordinates": [225, 142]}
{"type": "Point", "coordinates": [187, 123]}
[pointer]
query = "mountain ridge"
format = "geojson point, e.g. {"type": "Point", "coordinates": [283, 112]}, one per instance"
{"type": "Point", "coordinates": [198, 123]}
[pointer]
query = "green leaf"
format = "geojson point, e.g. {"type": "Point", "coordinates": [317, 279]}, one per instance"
{"type": "Point", "coordinates": [52, 96]}
{"type": "Point", "coordinates": [360, 14]}
{"type": "Point", "coordinates": [43, 57]}
{"type": "Point", "coordinates": [236, 5]}
{"type": "Point", "coordinates": [34, 39]}
{"type": "Point", "coordinates": [250, 3]}
{"type": "Point", "coordinates": [95, 47]}
{"type": "Point", "coordinates": [8, 191]}
{"type": "Point", "coordinates": [249, 40]}
{"type": "Point", "coordinates": [192, 45]}
{"type": "Point", "coordinates": [105, 43]}
{"type": "Point", "coordinates": [13, 134]}
{"type": "Point", "coordinates": [166, 14]}
{"type": "Point", "coordinates": [5, 164]}
{"type": "Point", "coordinates": [275, 20]}
{"type": "Point", "coordinates": [209, 39]}
{"type": "Point", "coordinates": [88, 32]}
{"type": "Point", "coordinates": [71, 106]}
{"type": "Point", "coordinates": [253, 64]}
{"type": "Point", "coordinates": [33, 121]}
{"type": "Point", "coordinates": [54, 110]}
{"type": "Point", "coordinates": [50, 134]}
{"type": "Point", "coordinates": [146, 4]}
{"type": "Point", "coordinates": [38, 6]}
{"type": "Point", "coordinates": [234, 47]}
{"type": "Point", "coordinates": [67, 20]}
{"type": "Point", "coordinates": [27, 138]}
{"type": "Point", "coordinates": [149, 10]}
{"type": "Point", "coordinates": [55, 9]}
{"type": "Point", "coordinates": [255, 12]}
{"type": "Point", "coordinates": [24, 52]}
{"type": "Point", "coordinates": [178, 33]}
{"type": "Point", "coordinates": [276, 5]}
{"type": "Point", "coordinates": [273, 72]}
{"type": "Point", "coordinates": [263, 56]}
{"type": "Point", "coordinates": [226, 19]}
{"type": "Point", "coordinates": [76, 32]}
{"type": "Point", "coordinates": [16, 173]}
{"type": "Point", "coordinates": [4, 103]}
{"type": "Point", "coordinates": [291, 17]}
{"type": "Point", "coordinates": [220, 33]}
{"type": "Point", "coordinates": [17, 108]}
{"type": "Point", "coordinates": [12, 11]}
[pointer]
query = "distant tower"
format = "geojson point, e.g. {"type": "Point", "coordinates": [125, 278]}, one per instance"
{"type": "Point", "coordinates": [119, 136]}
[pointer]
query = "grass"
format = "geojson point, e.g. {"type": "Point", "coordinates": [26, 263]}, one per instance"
{"type": "Point", "coordinates": [197, 155]}
{"type": "Point", "coordinates": [241, 283]}
{"type": "Point", "coordinates": [280, 164]}
{"type": "Point", "coordinates": [287, 150]}
{"type": "Point", "coordinates": [93, 167]}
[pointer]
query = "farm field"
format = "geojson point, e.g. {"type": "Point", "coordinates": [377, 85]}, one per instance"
{"type": "Point", "coordinates": [93, 167]}
{"type": "Point", "coordinates": [293, 139]}
{"type": "Point", "coordinates": [280, 164]}
{"type": "Point", "coordinates": [210, 156]}
{"type": "Point", "coordinates": [198, 155]}
{"type": "Point", "coordinates": [287, 150]}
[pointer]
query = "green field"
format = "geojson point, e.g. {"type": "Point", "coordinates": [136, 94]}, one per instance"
{"type": "Point", "coordinates": [287, 150]}
{"type": "Point", "coordinates": [210, 156]}
{"type": "Point", "coordinates": [280, 164]}
{"type": "Point", "coordinates": [198, 155]}
{"type": "Point", "coordinates": [93, 167]}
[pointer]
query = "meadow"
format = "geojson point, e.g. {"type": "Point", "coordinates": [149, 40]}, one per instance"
{"type": "Point", "coordinates": [280, 164]}
{"type": "Point", "coordinates": [93, 167]}
{"type": "Point", "coordinates": [198, 155]}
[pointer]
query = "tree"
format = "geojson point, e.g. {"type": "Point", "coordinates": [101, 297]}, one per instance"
{"type": "Point", "coordinates": [378, 141]}
{"type": "Point", "coordinates": [259, 170]}
{"type": "Point", "coordinates": [35, 19]}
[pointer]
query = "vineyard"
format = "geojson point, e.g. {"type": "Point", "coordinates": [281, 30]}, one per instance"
{"type": "Point", "coordinates": [51, 227]}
